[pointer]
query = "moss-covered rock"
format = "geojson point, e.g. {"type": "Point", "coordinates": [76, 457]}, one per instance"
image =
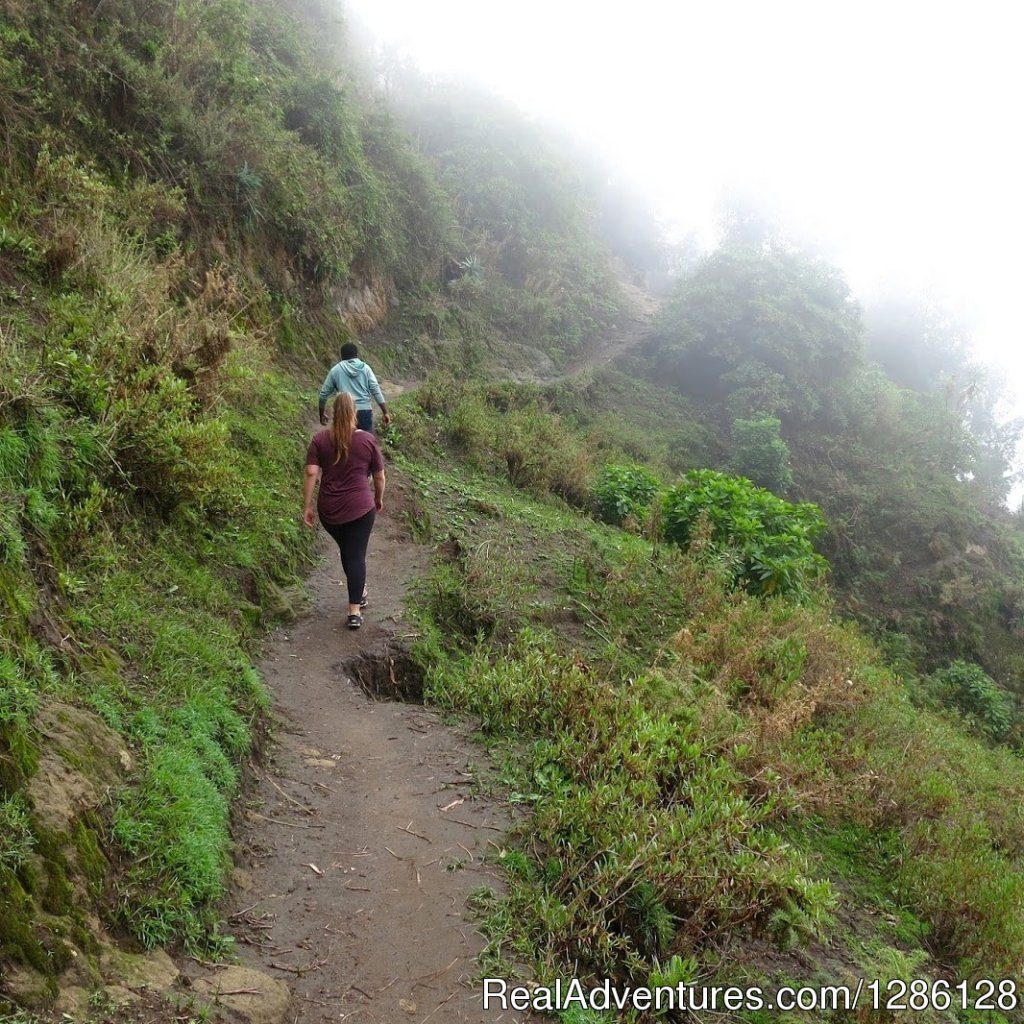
{"type": "Point", "coordinates": [80, 758]}
{"type": "Point", "coordinates": [91, 861]}
{"type": "Point", "coordinates": [18, 758]}
{"type": "Point", "coordinates": [18, 940]}
{"type": "Point", "coordinates": [45, 901]}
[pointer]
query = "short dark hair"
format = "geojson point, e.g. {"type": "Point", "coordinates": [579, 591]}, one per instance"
{"type": "Point", "coordinates": [349, 350]}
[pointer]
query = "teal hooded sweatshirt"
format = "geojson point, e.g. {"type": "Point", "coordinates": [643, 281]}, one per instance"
{"type": "Point", "coordinates": [355, 377]}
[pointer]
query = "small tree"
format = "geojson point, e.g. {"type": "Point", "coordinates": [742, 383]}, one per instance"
{"type": "Point", "coordinates": [760, 453]}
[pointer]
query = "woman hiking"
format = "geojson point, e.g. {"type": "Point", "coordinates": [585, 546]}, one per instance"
{"type": "Point", "coordinates": [341, 458]}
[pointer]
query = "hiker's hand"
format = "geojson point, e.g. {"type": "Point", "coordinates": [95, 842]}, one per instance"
{"type": "Point", "coordinates": [387, 419]}
{"type": "Point", "coordinates": [323, 419]}
{"type": "Point", "coordinates": [378, 504]}
{"type": "Point", "coordinates": [309, 518]}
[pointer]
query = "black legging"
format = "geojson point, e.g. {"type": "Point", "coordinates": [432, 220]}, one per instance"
{"type": "Point", "coordinates": [352, 539]}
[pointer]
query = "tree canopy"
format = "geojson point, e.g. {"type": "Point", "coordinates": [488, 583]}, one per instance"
{"type": "Point", "coordinates": [762, 329]}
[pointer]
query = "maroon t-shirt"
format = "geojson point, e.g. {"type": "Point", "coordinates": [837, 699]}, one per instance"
{"type": "Point", "coordinates": [345, 492]}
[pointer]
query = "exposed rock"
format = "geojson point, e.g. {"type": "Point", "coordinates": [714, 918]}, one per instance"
{"type": "Point", "coordinates": [241, 880]}
{"type": "Point", "coordinates": [362, 303]}
{"type": "Point", "coordinates": [154, 970]}
{"type": "Point", "coordinates": [118, 995]}
{"type": "Point", "coordinates": [80, 757]}
{"type": "Point", "coordinates": [59, 794]}
{"type": "Point", "coordinates": [257, 997]}
{"type": "Point", "coordinates": [73, 1002]}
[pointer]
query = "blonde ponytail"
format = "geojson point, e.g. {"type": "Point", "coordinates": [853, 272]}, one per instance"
{"type": "Point", "coordinates": [344, 425]}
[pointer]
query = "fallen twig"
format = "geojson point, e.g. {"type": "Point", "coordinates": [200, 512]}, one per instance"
{"type": "Point", "coordinates": [470, 824]}
{"type": "Point", "coordinates": [416, 834]}
{"type": "Point", "coordinates": [438, 1007]}
{"type": "Point", "coordinates": [242, 913]}
{"type": "Point", "coordinates": [289, 824]}
{"type": "Point", "coordinates": [301, 806]}
{"type": "Point", "coordinates": [437, 974]}
{"type": "Point", "coordinates": [313, 965]}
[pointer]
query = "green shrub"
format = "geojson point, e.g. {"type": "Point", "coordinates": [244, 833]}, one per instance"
{"type": "Point", "coordinates": [624, 492]}
{"type": "Point", "coordinates": [764, 541]}
{"type": "Point", "coordinates": [970, 689]}
{"type": "Point", "coordinates": [760, 453]}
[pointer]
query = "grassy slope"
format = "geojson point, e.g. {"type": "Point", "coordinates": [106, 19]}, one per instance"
{"type": "Point", "coordinates": [736, 783]}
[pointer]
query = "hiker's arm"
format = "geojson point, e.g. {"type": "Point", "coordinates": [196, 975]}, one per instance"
{"type": "Point", "coordinates": [374, 388]}
{"type": "Point", "coordinates": [309, 486]}
{"type": "Point", "coordinates": [378, 490]}
{"type": "Point", "coordinates": [326, 391]}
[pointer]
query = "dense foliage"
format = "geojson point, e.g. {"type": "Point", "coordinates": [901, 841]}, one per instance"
{"type": "Point", "coordinates": [909, 456]}
{"type": "Point", "coordinates": [765, 542]}
{"type": "Point", "coordinates": [624, 492]}
{"type": "Point", "coordinates": [761, 453]}
{"type": "Point", "coordinates": [762, 330]}
{"type": "Point", "coordinates": [987, 708]}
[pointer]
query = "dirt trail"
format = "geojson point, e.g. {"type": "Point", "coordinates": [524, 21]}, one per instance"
{"type": "Point", "coordinates": [626, 336]}
{"type": "Point", "coordinates": [364, 837]}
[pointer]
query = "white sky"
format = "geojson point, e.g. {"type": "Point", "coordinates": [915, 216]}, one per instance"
{"type": "Point", "coordinates": [889, 132]}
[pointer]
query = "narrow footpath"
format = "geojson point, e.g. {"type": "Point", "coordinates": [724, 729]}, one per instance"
{"type": "Point", "coordinates": [365, 834]}
{"type": "Point", "coordinates": [363, 840]}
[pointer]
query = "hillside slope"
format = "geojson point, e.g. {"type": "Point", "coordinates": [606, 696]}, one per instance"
{"type": "Point", "coordinates": [198, 203]}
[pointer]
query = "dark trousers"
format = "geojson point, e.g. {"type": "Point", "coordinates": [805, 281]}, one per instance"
{"type": "Point", "coordinates": [352, 539]}
{"type": "Point", "coordinates": [364, 419]}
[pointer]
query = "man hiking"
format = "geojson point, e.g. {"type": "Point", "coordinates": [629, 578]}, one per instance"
{"type": "Point", "coordinates": [354, 377]}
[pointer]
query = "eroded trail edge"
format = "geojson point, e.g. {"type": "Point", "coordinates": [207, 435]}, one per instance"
{"type": "Point", "coordinates": [363, 840]}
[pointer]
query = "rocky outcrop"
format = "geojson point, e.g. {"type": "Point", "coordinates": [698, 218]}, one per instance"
{"type": "Point", "coordinates": [362, 302]}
